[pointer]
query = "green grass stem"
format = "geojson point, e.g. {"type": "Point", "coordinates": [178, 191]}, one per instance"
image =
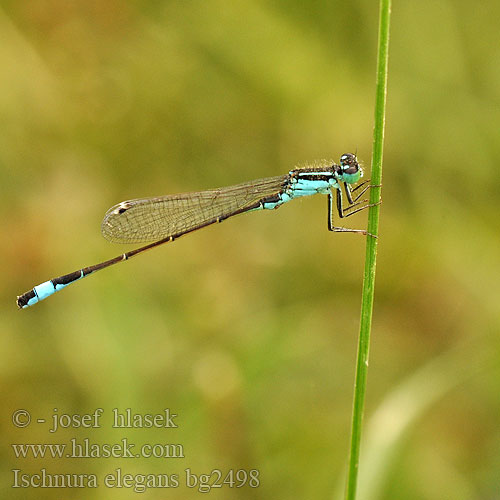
{"type": "Point", "coordinates": [371, 253]}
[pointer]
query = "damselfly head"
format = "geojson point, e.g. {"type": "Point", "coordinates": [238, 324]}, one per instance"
{"type": "Point", "coordinates": [349, 169]}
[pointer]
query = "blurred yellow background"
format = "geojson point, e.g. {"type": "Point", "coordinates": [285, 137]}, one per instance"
{"type": "Point", "coordinates": [247, 330]}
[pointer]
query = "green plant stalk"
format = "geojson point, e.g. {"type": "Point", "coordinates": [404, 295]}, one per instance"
{"type": "Point", "coordinates": [371, 252]}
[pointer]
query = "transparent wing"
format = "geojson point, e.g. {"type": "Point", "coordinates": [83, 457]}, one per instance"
{"type": "Point", "coordinates": [152, 219]}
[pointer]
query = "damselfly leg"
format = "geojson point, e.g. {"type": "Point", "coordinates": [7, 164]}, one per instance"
{"type": "Point", "coordinates": [348, 211]}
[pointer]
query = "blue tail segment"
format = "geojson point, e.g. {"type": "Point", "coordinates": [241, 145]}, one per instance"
{"type": "Point", "coordinates": [44, 290]}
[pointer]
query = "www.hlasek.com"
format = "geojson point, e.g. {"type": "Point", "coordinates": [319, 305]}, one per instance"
{"type": "Point", "coordinates": [86, 449]}
{"type": "Point", "coordinates": [139, 483]}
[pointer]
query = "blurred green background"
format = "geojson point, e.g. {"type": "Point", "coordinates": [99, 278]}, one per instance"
{"type": "Point", "coordinates": [247, 330]}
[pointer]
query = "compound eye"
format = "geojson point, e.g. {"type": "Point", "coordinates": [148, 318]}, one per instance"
{"type": "Point", "coordinates": [353, 169]}
{"type": "Point", "coordinates": [347, 159]}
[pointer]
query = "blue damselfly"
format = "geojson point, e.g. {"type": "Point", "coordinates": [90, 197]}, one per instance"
{"type": "Point", "coordinates": [166, 218]}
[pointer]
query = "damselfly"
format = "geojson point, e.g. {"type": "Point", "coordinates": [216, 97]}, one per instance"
{"type": "Point", "coordinates": [166, 218]}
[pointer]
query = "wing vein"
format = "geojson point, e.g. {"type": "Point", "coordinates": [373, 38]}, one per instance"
{"type": "Point", "coordinates": [152, 219]}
